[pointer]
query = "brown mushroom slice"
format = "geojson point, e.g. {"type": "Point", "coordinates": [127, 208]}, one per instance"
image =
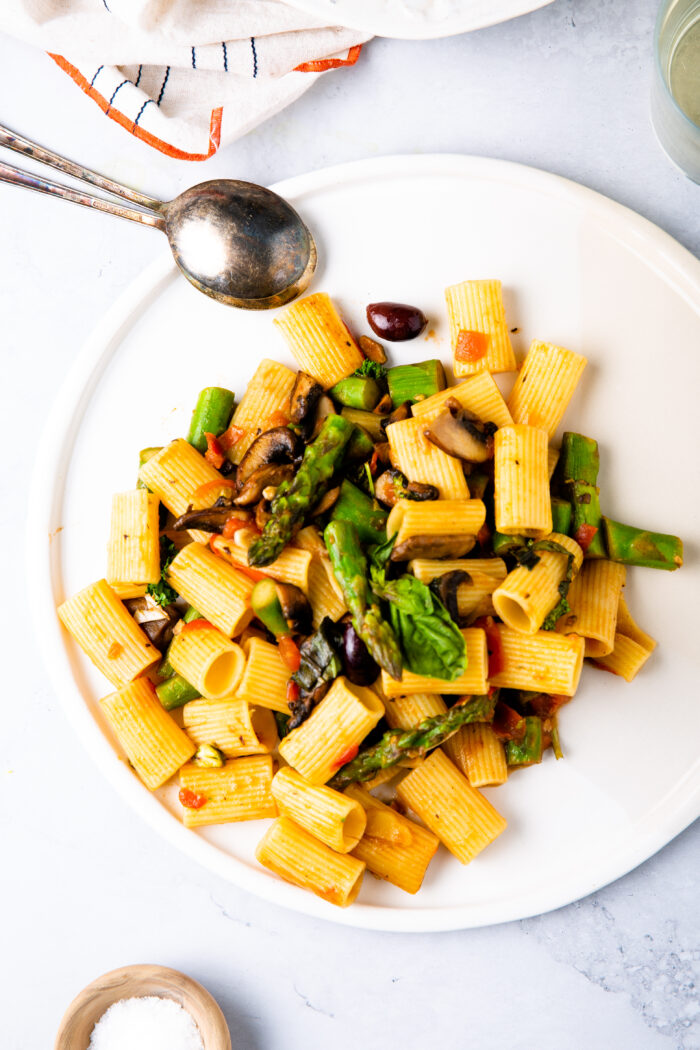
{"type": "Point", "coordinates": [444, 546]}
{"type": "Point", "coordinates": [279, 445]}
{"type": "Point", "coordinates": [324, 408]}
{"type": "Point", "coordinates": [295, 607]}
{"type": "Point", "coordinates": [459, 434]}
{"type": "Point", "coordinates": [401, 412]}
{"type": "Point", "coordinates": [255, 484]}
{"type": "Point", "coordinates": [326, 502]}
{"type": "Point", "coordinates": [392, 485]}
{"type": "Point", "coordinates": [446, 588]}
{"type": "Point", "coordinates": [156, 621]}
{"type": "Point", "coordinates": [209, 519]}
{"type": "Point", "coordinates": [304, 398]}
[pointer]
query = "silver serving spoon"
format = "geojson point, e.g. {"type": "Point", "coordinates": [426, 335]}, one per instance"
{"type": "Point", "coordinates": [240, 243]}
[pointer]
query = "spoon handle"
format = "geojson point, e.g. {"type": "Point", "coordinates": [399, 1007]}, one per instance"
{"type": "Point", "coordinates": [16, 177]}
{"type": "Point", "coordinates": [68, 167]}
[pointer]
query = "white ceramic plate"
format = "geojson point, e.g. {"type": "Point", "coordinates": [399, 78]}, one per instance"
{"type": "Point", "coordinates": [578, 270]}
{"type": "Point", "coordinates": [418, 19]}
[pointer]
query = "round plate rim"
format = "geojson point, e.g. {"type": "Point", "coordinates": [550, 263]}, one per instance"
{"type": "Point", "coordinates": [408, 27]}
{"type": "Point", "coordinates": [678, 809]}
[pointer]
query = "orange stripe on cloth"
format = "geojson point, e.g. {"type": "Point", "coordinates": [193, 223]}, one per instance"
{"type": "Point", "coordinates": [330, 63]}
{"type": "Point", "coordinates": [134, 129]}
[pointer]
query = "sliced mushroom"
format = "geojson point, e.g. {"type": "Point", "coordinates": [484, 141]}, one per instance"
{"type": "Point", "coordinates": [383, 407]}
{"type": "Point", "coordinates": [255, 484]}
{"type": "Point", "coordinates": [262, 514]}
{"type": "Point", "coordinates": [401, 412]}
{"type": "Point", "coordinates": [459, 433]}
{"type": "Point", "coordinates": [209, 519]}
{"type": "Point", "coordinates": [295, 607]}
{"type": "Point", "coordinates": [392, 485]}
{"type": "Point", "coordinates": [445, 546]}
{"type": "Point", "coordinates": [326, 502]}
{"type": "Point", "coordinates": [445, 587]}
{"type": "Point", "coordinates": [304, 398]}
{"type": "Point", "coordinates": [279, 445]}
{"type": "Point", "coordinates": [157, 621]}
{"type": "Point", "coordinates": [324, 408]}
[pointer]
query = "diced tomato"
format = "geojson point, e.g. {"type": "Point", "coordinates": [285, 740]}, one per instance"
{"type": "Point", "coordinates": [471, 346]}
{"type": "Point", "coordinates": [494, 644]}
{"type": "Point", "coordinates": [231, 437]}
{"type": "Point", "coordinates": [115, 650]}
{"type": "Point", "coordinates": [289, 651]}
{"type": "Point", "coordinates": [373, 461]}
{"type": "Point", "coordinates": [197, 625]}
{"type": "Point", "coordinates": [546, 705]}
{"type": "Point", "coordinates": [508, 724]}
{"type": "Point", "coordinates": [191, 799]}
{"type": "Point", "coordinates": [233, 524]}
{"type": "Point", "coordinates": [277, 419]}
{"type": "Point", "coordinates": [345, 756]}
{"type": "Point", "coordinates": [218, 544]}
{"type": "Point", "coordinates": [584, 536]}
{"type": "Point", "coordinates": [483, 536]}
{"type": "Point", "coordinates": [214, 453]}
{"type": "Point", "coordinates": [292, 692]}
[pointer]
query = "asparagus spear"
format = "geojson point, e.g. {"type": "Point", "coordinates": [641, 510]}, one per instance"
{"type": "Point", "coordinates": [211, 415]}
{"type": "Point", "coordinates": [578, 466]}
{"type": "Point", "coordinates": [355, 506]}
{"type": "Point", "coordinates": [295, 498]}
{"type": "Point", "coordinates": [561, 515]}
{"type": "Point", "coordinates": [631, 546]}
{"type": "Point", "coordinates": [165, 668]}
{"type": "Point", "coordinates": [368, 421]}
{"type": "Point", "coordinates": [357, 392]}
{"type": "Point", "coordinates": [528, 751]}
{"type": "Point", "coordinates": [351, 571]}
{"type": "Point", "coordinates": [413, 743]}
{"type": "Point", "coordinates": [175, 691]}
{"type": "Point", "coordinates": [409, 382]}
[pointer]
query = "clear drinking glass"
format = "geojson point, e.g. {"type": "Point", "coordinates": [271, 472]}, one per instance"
{"type": "Point", "coordinates": [675, 95]}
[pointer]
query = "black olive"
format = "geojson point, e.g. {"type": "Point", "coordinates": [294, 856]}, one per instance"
{"type": "Point", "coordinates": [358, 665]}
{"type": "Point", "coordinates": [396, 321]}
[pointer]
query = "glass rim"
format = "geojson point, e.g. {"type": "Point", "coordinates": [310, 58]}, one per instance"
{"type": "Point", "coordinates": [657, 62]}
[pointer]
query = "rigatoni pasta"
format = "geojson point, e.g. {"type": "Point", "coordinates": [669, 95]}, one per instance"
{"type": "Point", "coordinates": [594, 597]}
{"type": "Point", "coordinates": [319, 339]}
{"type": "Point", "coordinates": [264, 403]}
{"type": "Point", "coordinates": [478, 329]}
{"type": "Point", "coordinates": [155, 746]}
{"type": "Point", "coordinates": [230, 725]}
{"type": "Point", "coordinates": [241, 789]}
{"type": "Point", "coordinates": [521, 481]}
{"type": "Point", "coordinates": [545, 385]}
{"type": "Point", "coordinates": [106, 633]}
{"type": "Point", "coordinates": [296, 856]}
{"type": "Point", "coordinates": [218, 590]}
{"type": "Point", "coordinates": [133, 551]}
{"type": "Point", "coordinates": [453, 810]}
{"type": "Point", "coordinates": [206, 658]}
{"type": "Point", "coordinates": [420, 460]}
{"type": "Point", "coordinates": [331, 817]}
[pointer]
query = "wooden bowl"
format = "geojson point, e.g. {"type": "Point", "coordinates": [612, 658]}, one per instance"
{"type": "Point", "coordinates": [130, 981]}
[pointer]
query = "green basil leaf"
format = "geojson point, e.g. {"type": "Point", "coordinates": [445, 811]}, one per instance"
{"type": "Point", "coordinates": [431, 643]}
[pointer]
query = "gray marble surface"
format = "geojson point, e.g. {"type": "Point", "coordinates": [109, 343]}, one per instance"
{"type": "Point", "coordinates": [85, 886]}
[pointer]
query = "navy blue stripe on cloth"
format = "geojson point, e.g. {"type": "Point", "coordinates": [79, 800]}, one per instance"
{"type": "Point", "coordinates": [162, 87]}
{"type": "Point", "coordinates": [114, 94]}
{"type": "Point", "coordinates": [148, 102]}
{"type": "Point", "coordinates": [92, 82]}
{"type": "Point", "coordinates": [194, 60]}
{"type": "Point", "coordinates": [138, 78]}
{"type": "Point", "coordinates": [223, 44]}
{"type": "Point", "coordinates": [255, 56]}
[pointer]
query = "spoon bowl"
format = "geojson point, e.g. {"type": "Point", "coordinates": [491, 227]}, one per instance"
{"type": "Point", "coordinates": [240, 243]}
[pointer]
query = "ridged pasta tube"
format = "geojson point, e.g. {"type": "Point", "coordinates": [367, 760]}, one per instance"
{"type": "Point", "coordinates": [319, 339]}
{"type": "Point", "coordinates": [207, 659]}
{"type": "Point", "coordinates": [477, 307]}
{"type": "Point", "coordinates": [265, 676]}
{"type": "Point", "coordinates": [133, 551]}
{"type": "Point", "coordinates": [545, 662]}
{"type": "Point", "coordinates": [478, 754]}
{"type": "Point", "coordinates": [238, 790]}
{"type": "Point", "coordinates": [107, 634]}
{"type": "Point", "coordinates": [457, 813]}
{"type": "Point", "coordinates": [545, 385]}
{"type": "Point", "coordinates": [478, 394]}
{"type": "Point", "coordinates": [594, 597]}
{"type": "Point", "coordinates": [333, 731]}
{"type": "Point", "coordinates": [526, 596]}
{"type": "Point", "coordinates": [521, 482]}
{"type": "Point", "coordinates": [154, 744]}
{"type": "Point", "coordinates": [231, 725]}
{"type": "Point", "coordinates": [266, 395]}
{"type": "Point", "coordinates": [472, 682]}
{"type": "Point", "coordinates": [218, 590]}
{"type": "Point", "coordinates": [421, 460]}
{"type": "Point", "coordinates": [330, 816]}
{"type": "Point", "coordinates": [297, 857]}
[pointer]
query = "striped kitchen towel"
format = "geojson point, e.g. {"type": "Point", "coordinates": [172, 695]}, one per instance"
{"type": "Point", "coordinates": [184, 76]}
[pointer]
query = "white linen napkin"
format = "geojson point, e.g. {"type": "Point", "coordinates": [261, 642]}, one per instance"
{"type": "Point", "coordinates": [184, 76]}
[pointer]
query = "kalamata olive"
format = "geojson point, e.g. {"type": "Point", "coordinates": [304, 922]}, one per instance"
{"type": "Point", "coordinates": [396, 321]}
{"type": "Point", "coordinates": [358, 665]}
